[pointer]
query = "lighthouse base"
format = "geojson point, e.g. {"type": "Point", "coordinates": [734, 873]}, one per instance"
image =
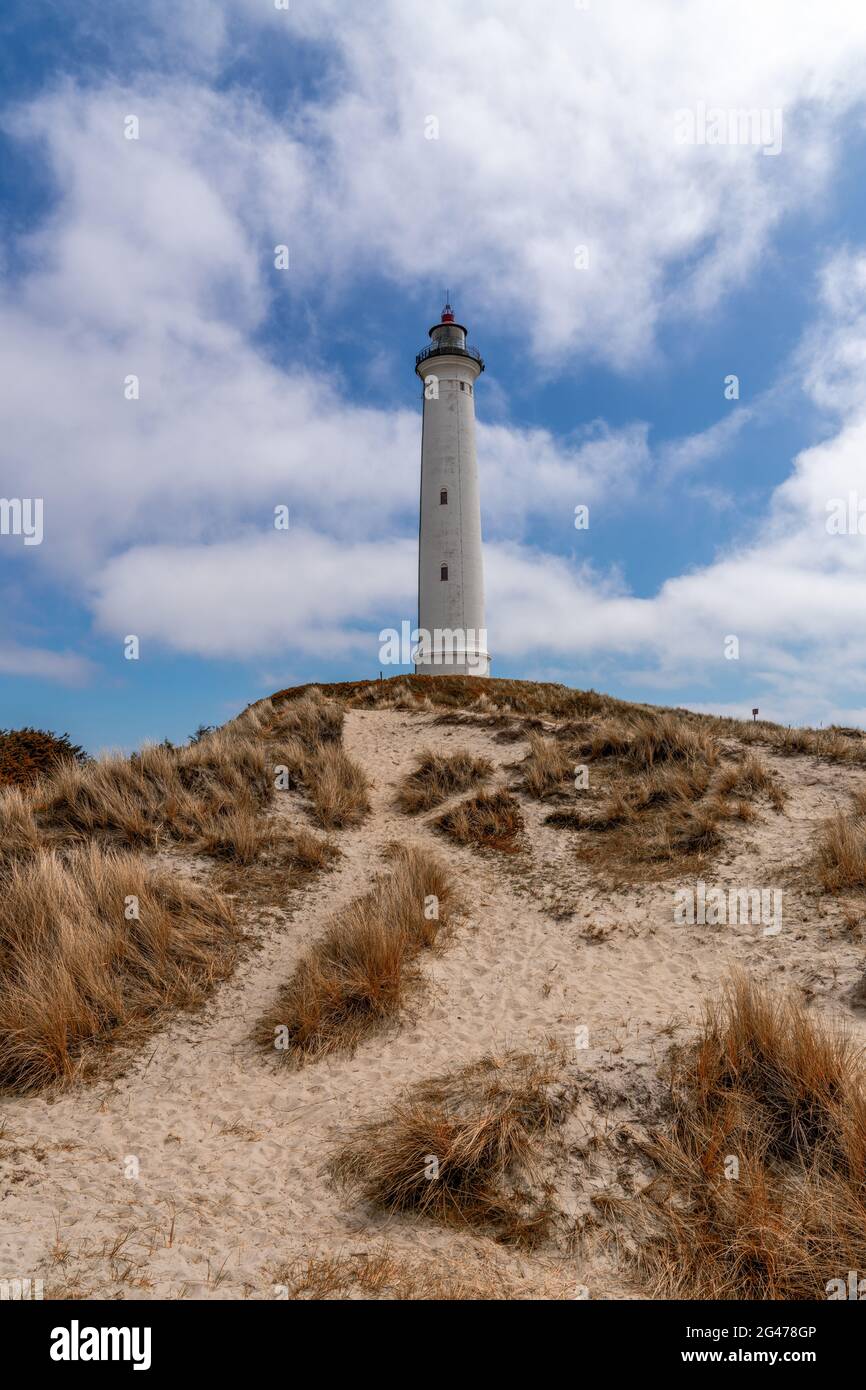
{"type": "Point", "coordinates": [470, 663]}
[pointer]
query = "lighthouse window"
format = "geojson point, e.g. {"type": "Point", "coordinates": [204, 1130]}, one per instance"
{"type": "Point", "coordinates": [443, 572]}
{"type": "Point", "coordinates": [443, 497]}
{"type": "Point", "coordinates": [463, 386]}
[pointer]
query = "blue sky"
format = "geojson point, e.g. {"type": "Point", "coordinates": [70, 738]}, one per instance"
{"type": "Point", "coordinates": [260, 387]}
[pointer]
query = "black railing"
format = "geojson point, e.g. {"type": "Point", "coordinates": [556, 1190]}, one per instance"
{"type": "Point", "coordinates": [450, 350]}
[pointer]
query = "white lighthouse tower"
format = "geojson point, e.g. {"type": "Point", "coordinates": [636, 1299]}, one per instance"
{"type": "Point", "coordinates": [453, 639]}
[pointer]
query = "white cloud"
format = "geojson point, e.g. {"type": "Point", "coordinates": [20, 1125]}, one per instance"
{"type": "Point", "coordinates": [280, 596]}
{"type": "Point", "coordinates": [550, 135]}
{"type": "Point", "coordinates": [66, 667]}
{"type": "Point", "coordinates": [794, 596]}
{"type": "Point", "coordinates": [561, 133]}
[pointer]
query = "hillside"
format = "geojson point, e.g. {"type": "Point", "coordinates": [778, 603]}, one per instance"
{"type": "Point", "coordinates": [336, 1086]}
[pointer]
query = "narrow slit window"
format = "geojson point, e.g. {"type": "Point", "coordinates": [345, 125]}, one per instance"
{"type": "Point", "coordinates": [443, 571]}
{"type": "Point", "coordinates": [443, 497]}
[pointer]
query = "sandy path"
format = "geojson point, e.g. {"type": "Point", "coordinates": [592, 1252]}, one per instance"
{"type": "Point", "coordinates": [229, 1146]}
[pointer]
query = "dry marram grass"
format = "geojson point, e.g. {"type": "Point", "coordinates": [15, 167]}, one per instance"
{"type": "Point", "coordinates": [841, 853]}
{"type": "Point", "coordinates": [210, 794]}
{"type": "Point", "coordinates": [94, 946]}
{"type": "Point", "coordinates": [337, 787]}
{"type": "Point", "coordinates": [658, 795]}
{"type": "Point", "coordinates": [768, 1085]}
{"type": "Point", "coordinates": [356, 976]}
{"type": "Point", "coordinates": [546, 767]}
{"type": "Point", "coordinates": [489, 820]}
{"type": "Point", "coordinates": [464, 1148]}
{"type": "Point", "coordinates": [97, 946]}
{"type": "Point", "coordinates": [385, 1274]}
{"type": "Point", "coordinates": [437, 776]}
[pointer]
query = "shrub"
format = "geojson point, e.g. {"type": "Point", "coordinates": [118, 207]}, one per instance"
{"type": "Point", "coordinates": [28, 754]}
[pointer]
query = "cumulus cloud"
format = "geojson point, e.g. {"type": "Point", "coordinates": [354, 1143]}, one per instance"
{"type": "Point", "coordinates": [281, 596]}
{"type": "Point", "coordinates": [561, 134]}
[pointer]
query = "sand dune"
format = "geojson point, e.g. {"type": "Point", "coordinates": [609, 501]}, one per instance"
{"type": "Point", "coordinates": [200, 1170]}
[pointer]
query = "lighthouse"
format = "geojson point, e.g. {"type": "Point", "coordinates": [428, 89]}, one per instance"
{"type": "Point", "coordinates": [452, 639]}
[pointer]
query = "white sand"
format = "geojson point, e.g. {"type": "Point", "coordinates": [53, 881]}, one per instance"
{"type": "Point", "coordinates": [213, 1213]}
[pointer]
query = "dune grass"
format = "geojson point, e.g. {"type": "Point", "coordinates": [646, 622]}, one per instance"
{"type": "Point", "coordinates": [659, 795]}
{"type": "Point", "coordinates": [208, 796]}
{"type": "Point", "coordinates": [841, 853]}
{"type": "Point", "coordinates": [516, 706]}
{"type": "Point", "coordinates": [750, 777]}
{"type": "Point", "coordinates": [384, 1273]}
{"type": "Point", "coordinates": [644, 741]}
{"type": "Point", "coordinates": [437, 776]}
{"type": "Point", "coordinates": [547, 768]}
{"type": "Point", "coordinates": [768, 1086]}
{"type": "Point", "coordinates": [488, 820]}
{"type": "Point", "coordinates": [464, 1148]}
{"type": "Point", "coordinates": [97, 945]}
{"type": "Point", "coordinates": [337, 787]}
{"type": "Point", "coordinates": [356, 977]}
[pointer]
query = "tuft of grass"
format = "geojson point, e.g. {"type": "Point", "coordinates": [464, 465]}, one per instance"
{"type": "Point", "coordinates": [337, 787]}
{"type": "Point", "coordinates": [19, 832]}
{"type": "Point", "coordinates": [312, 719]}
{"type": "Point", "coordinates": [286, 859]}
{"type": "Point", "coordinates": [664, 738]}
{"type": "Point", "coordinates": [841, 853]}
{"type": "Point", "coordinates": [688, 830]}
{"type": "Point", "coordinates": [464, 1148]}
{"type": "Point", "coordinates": [356, 977]}
{"type": "Point", "coordinates": [750, 777]}
{"type": "Point", "coordinates": [437, 776]}
{"type": "Point", "coordinates": [642, 741]}
{"type": "Point", "coordinates": [77, 970]}
{"type": "Point", "coordinates": [546, 767]}
{"type": "Point", "coordinates": [766, 1084]}
{"type": "Point", "coordinates": [237, 833]}
{"type": "Point", "coordinates": [310, 853]}
{"type": "Point", "coordinates": [384, 1274]}
{"type": "Point", "coordinates": [492, 820]}
{"type": "Point", "coordinates": [663, 785]}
